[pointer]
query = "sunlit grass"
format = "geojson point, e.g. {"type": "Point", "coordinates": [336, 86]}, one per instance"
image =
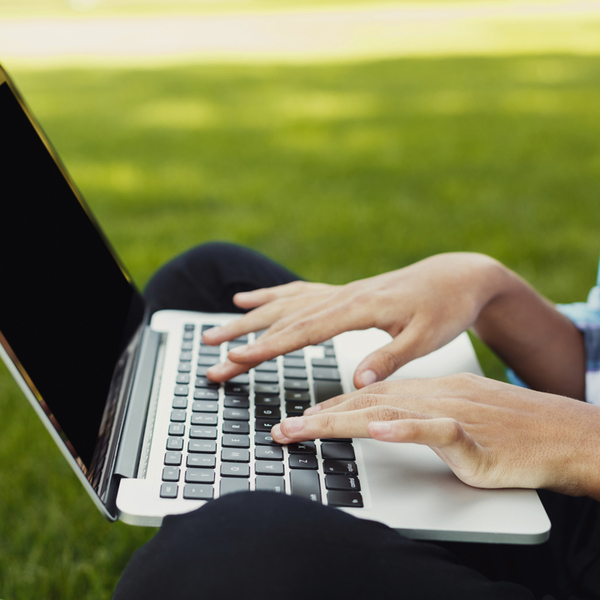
{"type": "Point", "coordinates": [339, 172]}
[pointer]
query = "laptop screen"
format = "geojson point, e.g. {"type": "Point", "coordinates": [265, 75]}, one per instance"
{"type": "Point", "coordinates": [67, 308]}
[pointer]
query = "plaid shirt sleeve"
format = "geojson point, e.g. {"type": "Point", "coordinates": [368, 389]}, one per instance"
{"type": "Point", "coordinates": [586, 317]}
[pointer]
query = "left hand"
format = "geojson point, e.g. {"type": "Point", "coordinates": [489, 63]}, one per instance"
{"type": "Point", "coordinates": [491, 434]}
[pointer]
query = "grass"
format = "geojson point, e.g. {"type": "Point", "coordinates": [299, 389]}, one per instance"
{"type": "Point", "coordinates": [338, 171]}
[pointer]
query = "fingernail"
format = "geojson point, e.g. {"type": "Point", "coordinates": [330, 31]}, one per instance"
{"type": "Point", "coordinates": [294, 424]}
{"type": "Point", "coordinates": [368, 377]}
{"type": "Point", "coordinates": [381, 428]}
{"type": "Point", "coordinates": [312, 410]}
{"type": "Point", "coordinates": [276, 432]}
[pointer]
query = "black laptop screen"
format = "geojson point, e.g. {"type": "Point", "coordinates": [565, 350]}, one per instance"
{"type": "Point", "coordinates": [64, 300]}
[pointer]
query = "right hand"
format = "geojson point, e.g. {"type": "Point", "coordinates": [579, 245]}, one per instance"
{"type": "Point", "coordinates": [423, 307]}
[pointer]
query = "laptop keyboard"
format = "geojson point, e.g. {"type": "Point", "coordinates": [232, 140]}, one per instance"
{"type": "Point", "coordinates": [219, 437]}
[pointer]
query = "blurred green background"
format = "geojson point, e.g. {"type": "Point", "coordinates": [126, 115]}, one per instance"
{"type": "Point", "coordinates": [339, 171]}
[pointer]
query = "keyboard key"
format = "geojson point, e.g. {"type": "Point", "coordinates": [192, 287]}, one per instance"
{"type": "Point", "coordinates": [198, 492]}
{"type": "Point", "coordinates": [329, 352]}
{"type": "Point", "coordinates": [327, 389]}
{"type": "Point", "coordinates": [205, 327]}
{"type": "Point", "coordinates": [306, 484]}
{"type": "Point", "coordinates": [203, 433]}
{"type": "Point", "coordinates": [346, 499]}
{"type": "Point", "coordinates": [184, 367]}
{"type": "Point", "coordinates": [340, 467]}
{"type": "Point", "coordinates": [261, 400]}
{"type": "Point", "coordinates": [241, 338]}
{"type": "Point", "coordinates": [201, 371]}
{"type": "Point", "coordinates": [267, 367]}
{"type": "Point", "coordinates": [200, 476]}
{"type": "Point", "coordinates": [265, 439]}
{"type": "Point", "coordinates": [171, 474]}
{"type": "Point", "coordinates": [204, 382]}
{"type": "Point", "coordinates": [342, 482]}
{"type": "Point", "coordinates": [202, 446]}
{"type": "Point", "coordinates": [302, 448]}
{"type": "Point", "coordinates": [187, 346]}
{"type": "Point", "coordinates": [295, 385]}
{"type": "Point", "coordinates": [205, 406]}
{"type": "Point", "coordinates": [295, 354]}
{"type": "Point", "coordinates": [337, 451]}
{"type": "Point", "coordinates": [326, 374]}
{"type": "Point", "coordinates": [188, 336]}
{"type": "Point", "coordinates": [178, 416]}
{"type": "Point", "coordinates": [302, 461]}
{"type": "Point", "coordinates": [295, 396]}
{"type": "Point", "coordinates": [202, 394]}
{"type": "Point", "coordinates": [235, 455]}
{"type": "Point", "coordinates": [291, 362]}
{"type": "Point", "coordinates": [296, 407]}
{"type": "Point", "coordinates": [265, 424]}
{"type": "Point", "coordinates": [204, 419]}
{"type": "Point", "coordinates": [230, 485]}
{"type": "Point", "coordinates": [173, 458]}
{"type": "Point", "coordinates": [235, 470]}
{"type": "Point", "coordinates": [210, 350]}
{"type": "Point", "coordinates": [271, 412]}
{"type": "Point", "coordinates": [266, 378]}
{"type": "Point", "coordinates": [339, 440]}
{"type": "Point", "coordinates": [268, 453]}
{"type": "Point", "coordinates": [266, 483]}
{"type": "Point", "coordinates": [264, 467]}
{"type": "Point", "coordinates": [235, 389]}
{"type": "Point", "coordinates": [243, 379]}
{"type": "Point", "coordinates": [183, 378]}
{"type": "Point", "coordinates": [179, 402]}
{"type": "Point", "coordinates": [189, 327]}
{"type": "Point", "coordinates": [235, 441]}
{"type": "Point", "coordinates": [176, 429]}
{"type": "Point", "coordinates": [169, 490]}
{"type": "Point", "coordinates": [207, 361]}
{"type": "Point", "coordinates": [324, 362]}
{"type": "Point", "coordinates": [239, 427]}
{"type": "Point", "coordinates": [236, 402]}
{"type": "Point", "coordinates": [205, 461]}
{"type": "Point", "coordinates": [236, 414]}
{"type": "Point", "coordinates": [266, 389]}
{"type": "Point", "coordinates": [175, 443]}
{"type": "Point", "coordinates": [182, 390]}
{"type": "Point", "coordinates": [295, 374]}
{"type": "Point", "coordinates": [185, 356]}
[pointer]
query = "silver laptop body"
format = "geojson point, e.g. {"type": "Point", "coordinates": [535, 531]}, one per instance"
{"type": "Point", "coordinates": [106, 379]}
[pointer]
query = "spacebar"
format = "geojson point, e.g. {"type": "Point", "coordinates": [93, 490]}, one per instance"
{"type": "Point", "coordinates": [327, 389]}
{"type": "Point", "coordinates": [306, 484]}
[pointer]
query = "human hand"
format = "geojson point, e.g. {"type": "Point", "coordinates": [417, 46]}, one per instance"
{"type": "Point", "coordinates": [422, 307]}
{"type": "Point", "coordinates": [491, 434]}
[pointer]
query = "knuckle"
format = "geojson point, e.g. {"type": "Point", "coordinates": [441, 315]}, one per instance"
{"type": "Point", "coordinates": [451, 431]}
{"type": "Point", "coordinates": [365, 401]}
{"type": "Point", "coordinates": [327, 423]}
{"type": "Point", "coordinates": [384, 413]}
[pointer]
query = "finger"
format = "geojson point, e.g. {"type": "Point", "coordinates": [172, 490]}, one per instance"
{"type": "Point", "coordinates": [306, 331]}
{"type": "Point", "coordinates": [336, 425]}
{"type": "Point", "coordinates": [262, 296]}
{"type": "Point", "coordinates": [411, 343]}
{"type": "Point", "coordinates": [226, 370]}
{"type": "Point", "coordinates": [263, 317]}
{"type": "Point", "coordinates": [445, 435]}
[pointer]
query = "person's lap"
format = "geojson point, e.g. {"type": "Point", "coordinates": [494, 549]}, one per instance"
{"type": "Point", "coordinates": [260, 544]}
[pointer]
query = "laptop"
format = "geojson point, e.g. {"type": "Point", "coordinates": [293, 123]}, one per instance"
{"type": "Point", "coordinates": [124, 392]}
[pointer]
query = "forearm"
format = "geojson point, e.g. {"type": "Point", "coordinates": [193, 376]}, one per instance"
{"type": "Point", "coordinates": [540, 344]}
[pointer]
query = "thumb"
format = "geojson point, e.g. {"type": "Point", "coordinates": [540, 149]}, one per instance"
{"type": "Point", "coordinates": [389, 358]}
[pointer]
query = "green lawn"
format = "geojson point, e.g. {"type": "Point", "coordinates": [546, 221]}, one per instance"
{"type": "Point", "coordinates": [337, 171]}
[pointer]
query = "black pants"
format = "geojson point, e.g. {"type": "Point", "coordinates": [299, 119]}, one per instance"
{"type": "Point", "coordinates": [265, 545]}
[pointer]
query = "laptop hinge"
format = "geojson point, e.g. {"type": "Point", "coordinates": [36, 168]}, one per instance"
{"type": "Point", "coordinates": [135, 420]}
